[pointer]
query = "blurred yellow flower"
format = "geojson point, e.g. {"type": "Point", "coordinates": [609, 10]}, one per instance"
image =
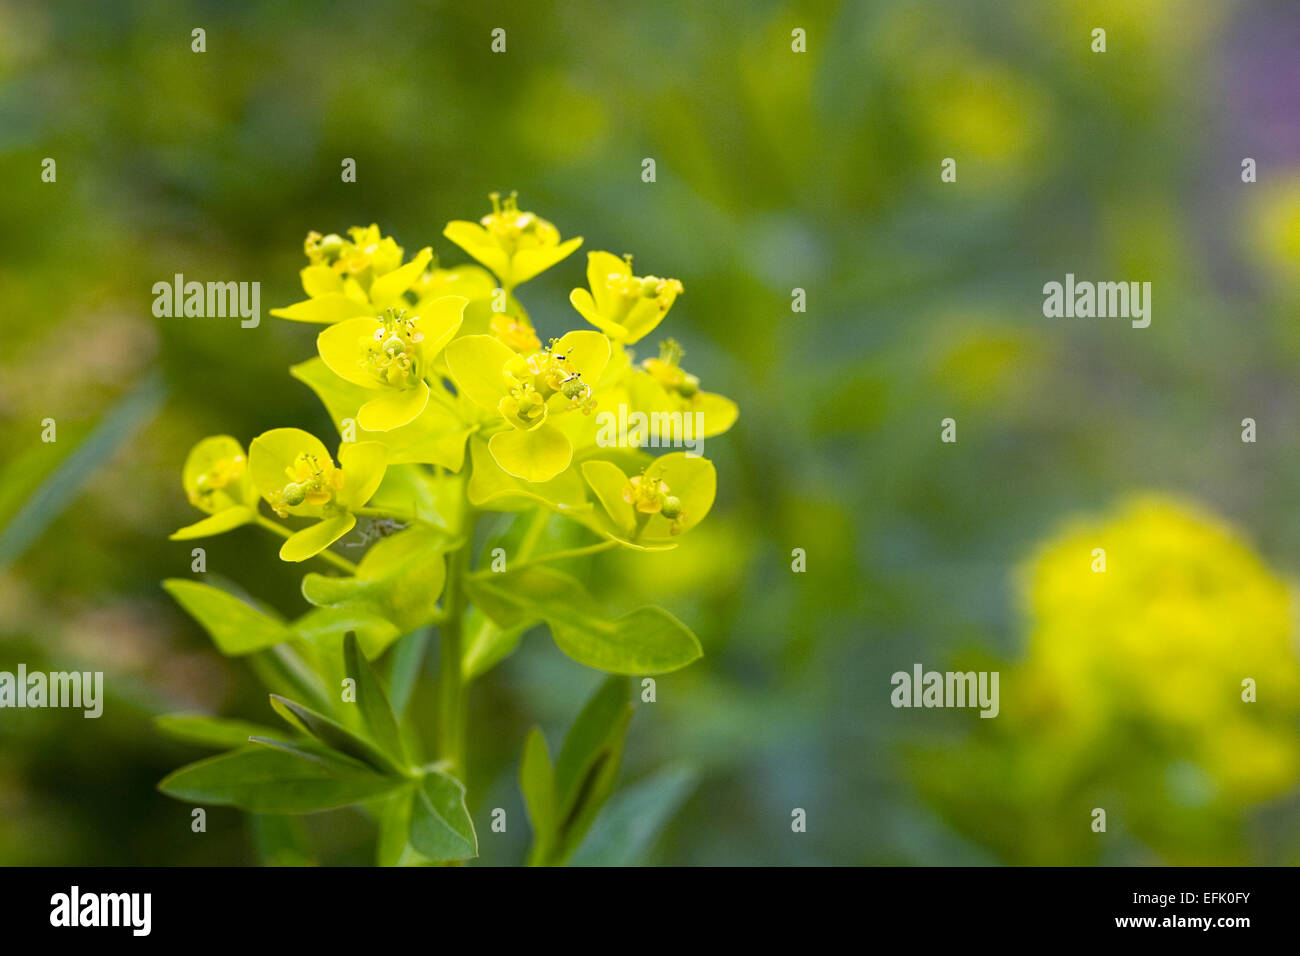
{"type": "Point", "coordinates": [1164, 637]}
{"type": "Point", "coordinates": [1275, 225]}
{"type": "Point", "coordinates": [1133, 696]}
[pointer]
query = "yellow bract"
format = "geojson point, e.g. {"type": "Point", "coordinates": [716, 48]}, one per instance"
{"type": "Point", "coordinates": [391, 354]}
{"type": "Point", "coordinates": [670, 497]}
{"type": "Point", "coordinates": [623, 306]}
{"type": "Point", "coordinates": [515, 245]}
{"type": "Point", "coordinates": [524, 390]}
{"type": "Point", "coordinates": [293, 472]}
{"type": "Point", "coordinates": [217, 481]}
{"type": "Point", "coordinates": [348, 278]}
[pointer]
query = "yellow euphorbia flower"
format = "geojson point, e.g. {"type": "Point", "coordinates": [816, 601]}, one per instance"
{"type": "Point", "coordinates": [623, 306]}
{"type": "Point", "coordinates": [292, 470]}
{"type": "Point", "coordinates": [348, 278]}
{"type": "Point", "coordinates": [515, 245]}
{"type": "Point", "coordinates": [510, 331]}
{"type": "Point", "coordinates": [468, 281]}
{"type": "Point", "coordinates": [390, 354]}
{"type": "Point", "coordinates": [649, 510]}
{"type": "Point", "coordinates": [523, 390]}
{"type": "Point", "coordinates": [217, 481]}
{"type": "Point", "coordinates": [662, 385]}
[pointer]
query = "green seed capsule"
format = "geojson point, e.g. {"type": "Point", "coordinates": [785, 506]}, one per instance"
{"type": "Point", "coordinates": [331, 247]}
{"type": "Point", "coordinates": [294, 494]}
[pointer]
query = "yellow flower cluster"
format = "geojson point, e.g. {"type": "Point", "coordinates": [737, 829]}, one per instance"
{"type": "Point", "coordinates": [1160, 683]}
{"type": "Point", "coordinates": [443, 366]}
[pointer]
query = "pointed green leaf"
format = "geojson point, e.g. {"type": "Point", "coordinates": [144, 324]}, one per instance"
{"type": "Point", "coordinates": [588, 765]}
{"type": "Point", "coordinates": [537, 782]}
{"type": "Point", "coordinates": [265, 780]}
{"type": "Point", "coordinates": [282, 670]}
{"type": "Point", "coordinates": [333, 734]}
{"type": "Point", "coordinates": [217, 732]}
{"type": "Point", "coordinates": [36, 486]}
{"type": "Point", "coordinates": [376, 713]}
{"type": "Point", "coordinates": [633, 818]}
{"type": "Point", "coordinates": [596, 731]}
{"type": "Point", "coordinates": [235, 627]}
{"type": "Point", "coordinates": [648, 640]}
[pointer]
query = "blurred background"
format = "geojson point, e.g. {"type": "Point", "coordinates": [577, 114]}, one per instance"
{"type": "Point", "coordinates": [775, 171]}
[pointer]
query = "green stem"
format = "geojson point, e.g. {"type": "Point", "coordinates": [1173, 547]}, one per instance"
{"type": "Point", "coordinates": [340, 562]}
{"type": "Point", "coordinates": [534, 533]}
{"type": "Point", "coordinates": [452, 699]}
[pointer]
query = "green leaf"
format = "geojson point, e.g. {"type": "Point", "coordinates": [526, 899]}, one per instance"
{"type": "Point", "coordinates": [334, 735]}
{"type": "Point", "coordinates": [588, 765]}
{"type": "Point", "coordinates": [441, 828]}
{"type": "Point", "coordinates": [537, 782]}
{"type": "Point", "coordinates": [282, 670]}
{"type": "Point", "coordinates": [399, 579]}
{"type": "Point", "coordinates": [405, 664]}
{"type": "Point", "coordinates": [46, 480]}
{"type": "Point", "coordinates": [216, 732]}
{"type": "Point", "coordinates": [324, 627]}
{"type": "Point", "coordinates": [633, 819]}
{"type": "Point", "coordinates": [266, 780]}
{"type": "Point", "coordinates": [376, 713]}
{"type": "Point", "coordinates": [648, 640]}
{"type": "Point", "coordinates": [435, 437]}
{"type": "Point", "coordinates": [235, 627]}
{"type": "Point", "coordinates": [596, 731]}
{"type": "Point", "coordinates": [313, 752]}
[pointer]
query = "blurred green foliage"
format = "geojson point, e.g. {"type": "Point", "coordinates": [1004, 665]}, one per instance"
{"type": "Point", "coordinates": [775, 171]}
